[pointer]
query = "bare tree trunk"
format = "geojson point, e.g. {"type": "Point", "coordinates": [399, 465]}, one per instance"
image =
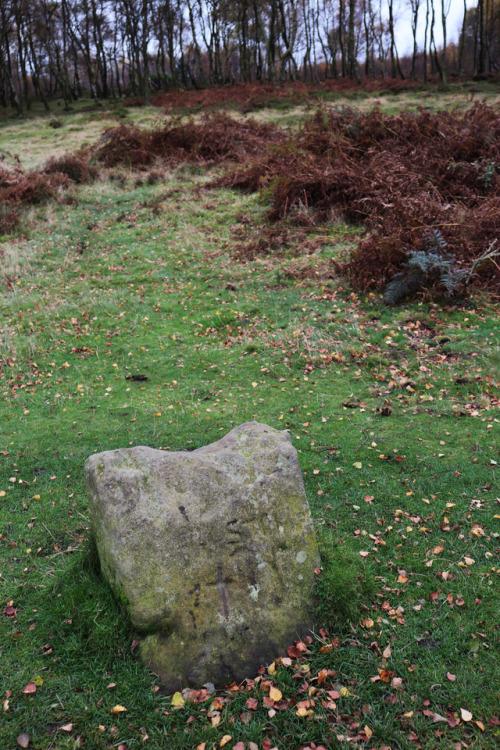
{"type": "Point", "coordinates": [461, 44]}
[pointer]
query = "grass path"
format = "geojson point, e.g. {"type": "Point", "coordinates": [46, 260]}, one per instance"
{"type": "Point", "coordinates": [125, 321]}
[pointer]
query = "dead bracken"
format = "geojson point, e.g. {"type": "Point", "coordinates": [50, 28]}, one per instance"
{"type": "Point", "coordinates": [412, 179]}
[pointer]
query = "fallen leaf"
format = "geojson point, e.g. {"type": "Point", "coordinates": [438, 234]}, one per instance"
{"type": "Point", "coordinates": [252, 704]}
{"type": "Point", "coordinates": [387, 653]}
{"type": "Point", "coordinates": [239, 746]}
{"type": "Point", "coordinates": [23, 740]}
{"type": "Point", "coordinates": [357, 465]}
{"type": "Point", "coordinates": [480, 725]}
{"type": "Point", "coordinates": [275, 694]}
{"type": "Point", "coordinates": [227, 738]}
{"type": "Point", "coordinates": [368, 732]}
{"type": "Point", "coordinates": [368, 622]}
{"type": "Point", "coordinates": [177, 700]}
{"type": "Point", "coordinates": [364, 553]}
{"type": "Point", "coordinates": [202, 746]}
{"type": "Point", "coordinates": [30, 688]}
{"type": "Point", "coordinates": [322, 675]}
{"type": "Point", "coordinates": [67, 727]}
{"type": "Point", "coordinates": [466, 715]}
{"type": "Point", "coordinates": [438, 717]}
{"type": "Point", "coordinates": [385, 675]}
{"type": "Point", "coordinates": [451, 677]}
{"type": "Point", "coordinates": [118, 709]}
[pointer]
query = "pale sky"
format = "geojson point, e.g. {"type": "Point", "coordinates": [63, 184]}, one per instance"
{"type": "Point", "coordinates": [453, 26]}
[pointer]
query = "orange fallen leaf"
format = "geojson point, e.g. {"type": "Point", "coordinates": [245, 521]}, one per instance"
{"type": "Point", "coordinates": [322, 675]}
{"type": "Point", "coordinates": [368, 732]}
{"type": "Point", "coordinates": [451, 677]}
{"type": "Point", "coordinates": [30, 688]}
{"type": "Point", "coordinates": [385, 675]}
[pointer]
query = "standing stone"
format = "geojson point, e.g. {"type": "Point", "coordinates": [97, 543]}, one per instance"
{"type": "Point", "coordinates": [211, 552]}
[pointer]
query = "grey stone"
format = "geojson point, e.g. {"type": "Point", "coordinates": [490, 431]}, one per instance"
{"type": "Point", "coordinates": [211, 552]}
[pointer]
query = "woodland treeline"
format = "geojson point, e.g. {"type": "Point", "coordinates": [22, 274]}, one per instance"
{"type": "Point", "coordinates": [114, 48]}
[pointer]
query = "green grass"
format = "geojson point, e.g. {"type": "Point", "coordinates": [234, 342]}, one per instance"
{"type": "Point", "coordinates": [139, 280]}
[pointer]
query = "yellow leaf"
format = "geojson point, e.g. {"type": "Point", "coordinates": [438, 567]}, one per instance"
{"type": "Point", "coordinates": [301, 711]}
{"type": "Point", "coordinates": [357, 465]}
{"type": "Point", "coordinates": [469, 561]}
{"type": "Point", "coordinates": [118, 709]}
{"type": "Point", "coordinates": [466, 715]}
{"type": "Point", "coordinates": [368, 622]}
{"type": "Point", "coordinates": [480, 725]}
{"type": "Point", "coordinates": [2, 493]}
{"type": "Point", "coordinates": [177, 700]}
{"type": "Point", "coordinates": [227, 738]}
{"type": "Point", "coordinates": [368, 732]}
{"type": "Point", "coordinates": [437, 550]}
{"type": "Point", "coordinates": [402, 579]}
{"type": "Point", "coordinates": [202, 746]}
{"type": "Point", "coordinates": [254, 384]}
{"type": "Point", "coordinates": [344, 692]}
{"type": "Point", "coordinates": [275, 694]}
{"type": "Point", "coordinates": [272, 668]}
{"type": "Point", "coordinates": [38, 680]}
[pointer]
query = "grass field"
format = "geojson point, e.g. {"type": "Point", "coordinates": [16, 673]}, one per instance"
{"type": "Point", "coordinates": [127, 320]}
